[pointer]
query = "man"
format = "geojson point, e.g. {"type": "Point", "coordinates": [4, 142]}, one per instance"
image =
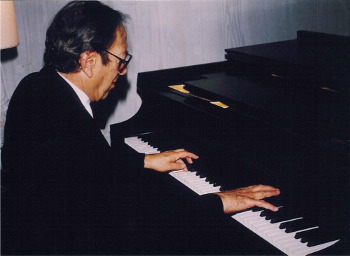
{"type": "Point", "coordinates": [67, 191]}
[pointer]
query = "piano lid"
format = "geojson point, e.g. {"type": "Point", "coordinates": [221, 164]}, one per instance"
{"type": "Point", "coordinates": [319, 58]}
{"type": "Point", "coordinates": [267, 83]}
{"type": "Point", "coordinates": [297, 84]}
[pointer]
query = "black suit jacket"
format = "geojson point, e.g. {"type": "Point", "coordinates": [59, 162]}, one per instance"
{"type": "Point", "coordinates": [67, 192]}
{"type": "Point", "coordinates": [65, 188]}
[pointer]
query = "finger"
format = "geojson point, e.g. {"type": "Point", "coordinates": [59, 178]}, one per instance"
{"type": "Point", "coordinates": [266, 205]}
{"type": "Point", "coordinates": [185, 169]}
{"type": "Point", "coordinates": [261, 188]}
{"type": "Point", "coordinates": [189, 160]}
{"type": "Point", "coordinates": [179, 150]}
{"type": "Point", "coordinates": [182, 152]}
{"type": "Point", "coordinates": [178, 165]}
{"type": "Point", "coordinates": [264, 194]}
{"type": "Point", "coordinates": [186, 154]}
{"type": "Point", "coordinates": [273, 192]}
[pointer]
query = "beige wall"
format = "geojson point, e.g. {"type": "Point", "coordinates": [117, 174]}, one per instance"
{"type": "Point", "coordinates": [164, 34]}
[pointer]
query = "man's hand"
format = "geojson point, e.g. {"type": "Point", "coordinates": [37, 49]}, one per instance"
{"type": "Point", "coordinates": [169, 160]}
{"type": "Point", "coordinates": [247, 197]}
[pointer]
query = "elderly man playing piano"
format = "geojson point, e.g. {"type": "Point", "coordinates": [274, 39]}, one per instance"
{"type": "Point", "coordinates": [66, 191]}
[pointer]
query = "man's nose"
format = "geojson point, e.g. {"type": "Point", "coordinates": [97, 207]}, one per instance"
{"type": "Point", "coordinates": [125, 70]}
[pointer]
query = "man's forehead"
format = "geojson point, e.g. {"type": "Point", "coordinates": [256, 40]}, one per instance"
{"type": "Point", "coordinates": [121, 32]}
{"type": "Point", "coordinates": [119, 45]}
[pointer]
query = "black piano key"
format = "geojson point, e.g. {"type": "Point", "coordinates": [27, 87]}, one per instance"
{"type": "Point", "coordinates": [216, 184]}
{"type": "Point", "coordinates": [300, 224]}
{"type": "Point", "coordinates": [283, 214]}
{"type": "Point", "coordinates": [198, 167]}
{"type": "Point", "coordinates": [191, 167]}
{"type": "Point", "coordinates": [228, 186]}
{"type": "Point", "coordinates": [272, 200]}
{"type": "Point", "coordinates": [150, 138]}
{"type": "Point", "coordinates": [269, 214]}
{"type": "Point", "coordinates": [276, 200]}
{"type": "Point", "coordinates": [159, 142]}
{"type": "Point", "coordinates": [302, 234]}
{"type": "Point", "coordinates": [202, 174]}
{"type": "Point", "coordinates": [316, 236]}
{"type": "Point", "coordinates": [280, 218]}
{"type": "Point", "coordinates": [256, 209]}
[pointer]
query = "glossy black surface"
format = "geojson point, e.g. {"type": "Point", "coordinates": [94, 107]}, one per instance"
{"type": "Point", "coordinates": [284, 131]}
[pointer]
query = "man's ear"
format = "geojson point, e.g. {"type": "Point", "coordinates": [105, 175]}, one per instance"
{"type": "Point", "coordinates": [87, 62]}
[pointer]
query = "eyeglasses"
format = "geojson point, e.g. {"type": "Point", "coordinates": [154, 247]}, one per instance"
{"type": "Point", "coordinates": [123, 63]}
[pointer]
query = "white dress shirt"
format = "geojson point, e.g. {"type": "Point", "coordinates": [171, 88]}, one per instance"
{"type": "Point", "coordinates": [82, 96]}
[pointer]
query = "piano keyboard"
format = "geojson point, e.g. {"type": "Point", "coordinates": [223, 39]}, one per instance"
{"type": "Point", "coordinates": [274, 232]}
{"type": "Point", "coordinates": [189, 179]}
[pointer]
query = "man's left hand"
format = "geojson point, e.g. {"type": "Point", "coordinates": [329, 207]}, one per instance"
{"type": "Point", "coordinates": [169, 160]}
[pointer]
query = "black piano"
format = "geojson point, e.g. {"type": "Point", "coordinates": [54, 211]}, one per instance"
{"type": "Point", "coordinates": [275, 113]}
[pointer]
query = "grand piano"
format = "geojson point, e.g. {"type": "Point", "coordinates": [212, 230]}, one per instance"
{"type": "Point", "coordinates": [275, 113]}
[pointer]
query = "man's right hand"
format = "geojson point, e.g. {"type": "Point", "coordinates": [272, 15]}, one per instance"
{"type": "Point", "coordinates": [243, 198]}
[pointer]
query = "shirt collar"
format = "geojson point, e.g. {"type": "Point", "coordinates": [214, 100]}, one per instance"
{"type": "Point", "coordinates": [82, 95]}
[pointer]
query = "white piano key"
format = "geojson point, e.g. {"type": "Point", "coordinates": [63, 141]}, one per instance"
{"type": "Point", "coordinates": [253, 218]}
{"type": "Point", "coordinates": [197, 184]}
{"type": "Point", "coordinates": [295, 246]}
{"type": "Point", "coordinates": [280, 239]}
{"type": "Point", "coordinates": [212, 190]}
{"type": "Point", "coordinates": [274, 233]}
{"type": "Point", "coordinates": [257, 222]}
{"type": "Point", "coordinates": [312, 249]}
{"type": "Point", "coordinates": [270, 227]}
{"type": "Point", "coordinates": [248, 213]}
{"type": "Point", "coordinates": [270, 232]}
{"type": "Point", "coordinates": [209, 190]}
{"type": "Point", "coordinates": [200, 186]}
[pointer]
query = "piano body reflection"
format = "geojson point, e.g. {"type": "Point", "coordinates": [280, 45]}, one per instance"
{"type": "Point", "coordinates": [275, 114]}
